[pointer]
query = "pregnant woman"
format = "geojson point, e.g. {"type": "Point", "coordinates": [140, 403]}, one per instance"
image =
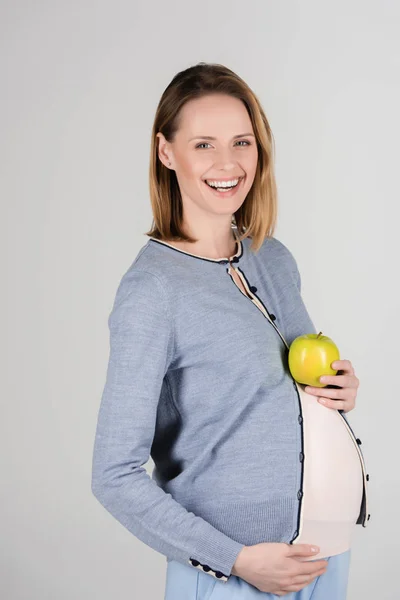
{"type": "Point", "coordinates": [258, 481]}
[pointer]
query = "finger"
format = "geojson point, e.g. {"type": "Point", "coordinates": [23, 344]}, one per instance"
{"type": "Point", "coordinates": [335, 394]}
{"type": "Point", "coordinates": [350, 381]}
{"type": "Point", "coordinates": [311, 573]}
{"type": "Point", "coordinates": [300, 568]}
{"type": "Point", "coordinates": [301, 550]}
{"type": "Point", "coordinates": [304, 580]}
{"type": "Point", "coordinates": [336, 404]}
{"type": "Point", "coordinates": [343, 365]}
{"type": "Point", "coordinates": [312, 567]}
{"type": "Point", "coordinates": [298, 583]}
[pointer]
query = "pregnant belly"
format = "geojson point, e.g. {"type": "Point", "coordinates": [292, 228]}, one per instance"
{"type": "Point", "coordinates": [332, 480]}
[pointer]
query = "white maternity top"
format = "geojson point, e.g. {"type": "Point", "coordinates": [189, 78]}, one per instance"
{"type": "Point", "coordinates": [333, 479]}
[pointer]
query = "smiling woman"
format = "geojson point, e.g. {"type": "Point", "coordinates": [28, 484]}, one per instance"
{"type": "Point", "coordinates": [198, 374]}
{"type": "Point", "coordinates": [210, 128]}
{"type": "Point", "coordinates": [209, 167]}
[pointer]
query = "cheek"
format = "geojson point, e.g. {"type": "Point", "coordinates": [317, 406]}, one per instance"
{"type": "Point", "coordinates": [253, 160]}
{"type": "Point", "coordinates": [193, 167]}
{"type": "Point", "coordinates": [249, 165]}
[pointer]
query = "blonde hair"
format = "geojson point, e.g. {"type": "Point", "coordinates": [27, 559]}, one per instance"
{"type": "Point", "coordinates": [256, 217]}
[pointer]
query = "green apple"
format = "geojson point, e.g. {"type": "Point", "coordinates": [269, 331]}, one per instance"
{"type": "Point", "coordinates": [311, 356]}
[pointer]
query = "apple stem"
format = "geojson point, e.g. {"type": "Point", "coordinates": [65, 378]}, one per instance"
{"type": "Point", "coordinates": [320, 333]}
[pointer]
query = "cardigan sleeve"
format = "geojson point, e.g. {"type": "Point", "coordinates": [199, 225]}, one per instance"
{"type": "Point", "coordinates": [141, 347]}
{"type": "Point", "coordinates": [307, 319]}
{"type": "Point", "coordinates": [296, 318]}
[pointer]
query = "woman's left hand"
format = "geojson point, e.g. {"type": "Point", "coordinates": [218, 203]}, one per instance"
{"type": "Point", "coordinates": [343, 398]}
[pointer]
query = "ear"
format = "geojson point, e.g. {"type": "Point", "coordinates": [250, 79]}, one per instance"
{"type": "Point", "coordinates": [164, 151]}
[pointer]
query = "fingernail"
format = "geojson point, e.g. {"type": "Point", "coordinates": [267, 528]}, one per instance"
{"type": "Point", "coordinates": [314, 549]}
{"type": "Point", "coordinates": [322, 400]}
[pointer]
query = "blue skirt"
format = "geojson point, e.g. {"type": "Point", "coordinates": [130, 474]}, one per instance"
{"type": "Point", "coordinates": [184, 582]}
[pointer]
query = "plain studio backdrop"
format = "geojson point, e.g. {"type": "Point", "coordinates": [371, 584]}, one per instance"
{"type": "Point", "coordinates": [80, 85]}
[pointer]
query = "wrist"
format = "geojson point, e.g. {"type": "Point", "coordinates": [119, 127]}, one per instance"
{"type": "Point", "coordinates": [238, 562]}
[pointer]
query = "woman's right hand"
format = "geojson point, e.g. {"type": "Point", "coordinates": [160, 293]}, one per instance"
{"type": "Point", "coordinates": [278, 568]}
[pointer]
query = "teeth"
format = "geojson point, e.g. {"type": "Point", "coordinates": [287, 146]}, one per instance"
{"type": "Point", "coordinates": [222, 184]}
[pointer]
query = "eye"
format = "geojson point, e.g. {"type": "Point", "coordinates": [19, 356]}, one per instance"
{"type": "Point", "coordinates": [240, 141]}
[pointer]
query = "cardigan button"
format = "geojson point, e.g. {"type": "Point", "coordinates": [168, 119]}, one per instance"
{"type": "Point", "coordinates": [300, 419]}
{"type": "Point", "coordinates": [253, 289]}
{"type": "Point", "coordinates": [301, 456]}
{"type": "Point", "coordinates": [367, 477]}
{"type": "Point", "coordinates": [273, 317]}
{"type": "Point", "coordinates": [235, 259]}
{"type": "Point", "coordinates": [299, 494]}
{"type": "Point", "coordinates": [368, 517]}
{"type": "Point", "coordinates": [358, 441]}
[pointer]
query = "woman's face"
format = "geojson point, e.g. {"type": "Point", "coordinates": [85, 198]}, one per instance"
{"type": "Point", "coordinates": [230, 155]}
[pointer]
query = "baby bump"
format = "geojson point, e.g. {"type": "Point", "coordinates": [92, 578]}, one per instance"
{"type": "Point", "coordinates": [332, 479]}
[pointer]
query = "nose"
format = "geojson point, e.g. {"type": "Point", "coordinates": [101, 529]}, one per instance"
{"type": "Point", "coordinates": [224, 159]}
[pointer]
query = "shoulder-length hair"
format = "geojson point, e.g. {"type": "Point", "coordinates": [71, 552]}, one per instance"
{"type": "Point", "coordinates": [256, 217]}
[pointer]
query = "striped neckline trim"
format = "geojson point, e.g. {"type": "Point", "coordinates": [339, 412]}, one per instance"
{"type": "Point", "coordinates": [238, 253]}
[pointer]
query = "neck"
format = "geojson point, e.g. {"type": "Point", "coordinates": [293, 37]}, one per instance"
{"type": "Point", "coordinates": [210, 246]}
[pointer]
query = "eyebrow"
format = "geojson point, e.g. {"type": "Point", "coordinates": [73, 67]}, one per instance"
{"type": "Point", "coordinates": [209, 137]}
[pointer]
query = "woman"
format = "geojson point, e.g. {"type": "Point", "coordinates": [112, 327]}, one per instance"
{"type": "Point", "coordinates": [198, 375]}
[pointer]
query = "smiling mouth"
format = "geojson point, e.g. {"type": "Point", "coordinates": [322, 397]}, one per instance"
{"type": "Point", "coordinates": [230, 187]}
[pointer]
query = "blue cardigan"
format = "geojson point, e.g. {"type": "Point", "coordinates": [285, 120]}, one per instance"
{"type": "Point", "coordinates": [198, 379]}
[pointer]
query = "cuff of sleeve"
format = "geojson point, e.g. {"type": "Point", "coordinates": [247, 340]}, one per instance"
{"type": "Point", "coordinates": [220, 558]}
{"type": "Point", "coordinates": [207, 569]}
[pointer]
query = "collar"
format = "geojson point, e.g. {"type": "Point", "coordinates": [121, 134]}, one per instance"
{"type": "Point", "coordinates": [223, 260]}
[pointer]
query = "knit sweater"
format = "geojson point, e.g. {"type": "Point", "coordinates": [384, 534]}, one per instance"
{"type": "Point", "coordinates": [198, 379]}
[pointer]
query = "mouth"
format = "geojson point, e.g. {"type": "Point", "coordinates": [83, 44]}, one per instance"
{"type": "Point", "coordinates": [225, 191]}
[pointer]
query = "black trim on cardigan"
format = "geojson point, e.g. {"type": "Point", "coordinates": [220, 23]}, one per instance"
{"type": "Point", "coordinates": [300, 492]}
{"type": "Point", "coordinates": [235, 257]}
{"type": "Point", "coordinates": [207, 569]}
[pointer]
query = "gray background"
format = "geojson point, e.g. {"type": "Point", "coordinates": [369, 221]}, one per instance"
{"type": "Point", "coordinates": [80, 85]}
